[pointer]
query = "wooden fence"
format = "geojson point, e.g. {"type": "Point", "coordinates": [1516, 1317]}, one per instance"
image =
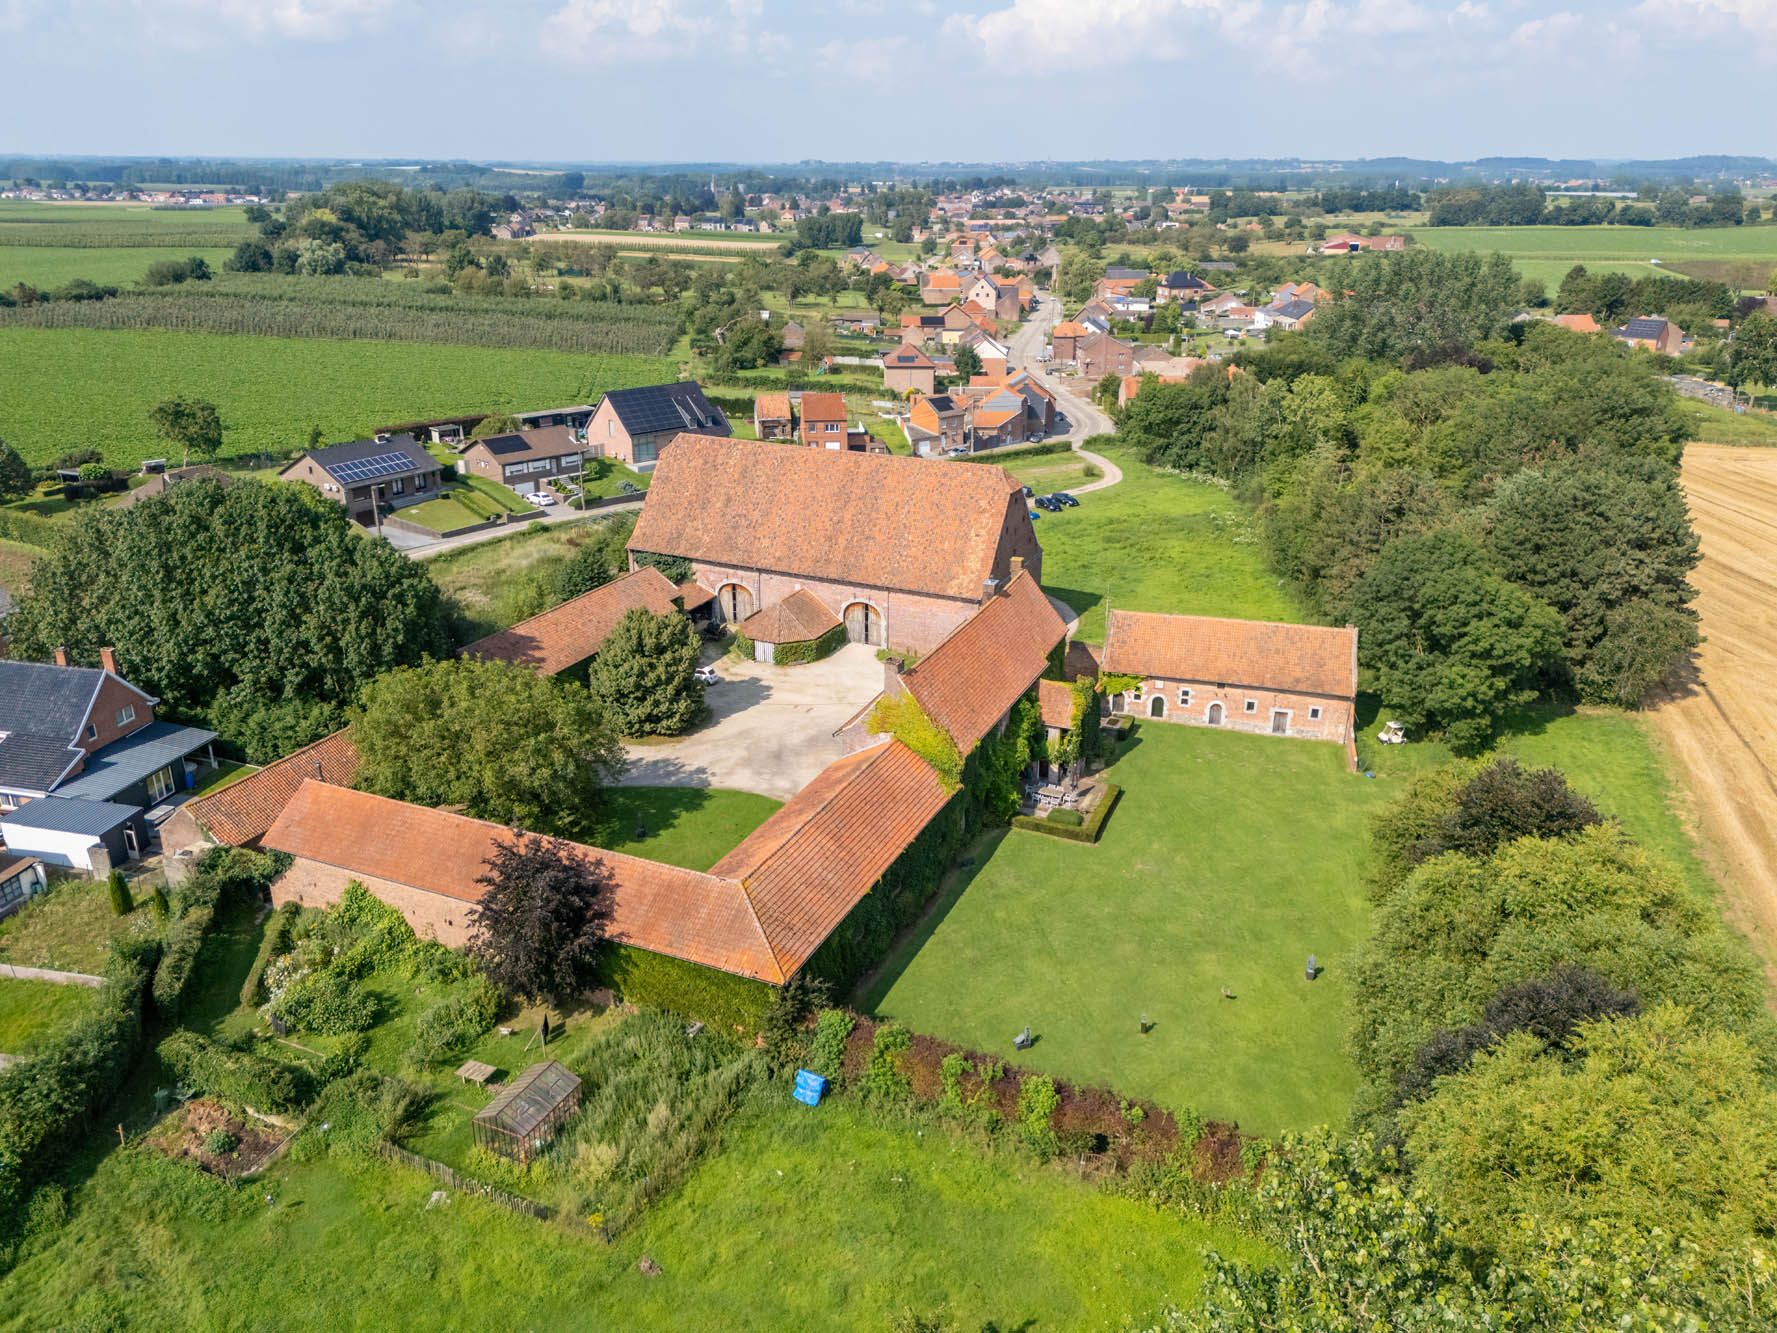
{"type": "Point", "coordinates": [468, 1185]}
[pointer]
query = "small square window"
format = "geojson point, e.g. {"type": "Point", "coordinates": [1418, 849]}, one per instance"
{"type": "Point", "coordinates": [1184, 698]}
{"type": "Point", "coordinates": [92, 731]}
{"type": "Point", "coordinates": [126, 715]}
{"type": "Point", "coordinates": [1252, 705]}
{"type": "Point", "coordinates": [1314, 714]}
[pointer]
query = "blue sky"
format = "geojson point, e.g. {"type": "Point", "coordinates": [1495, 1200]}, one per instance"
{"type": "Point", "coordinates": [977, 80]}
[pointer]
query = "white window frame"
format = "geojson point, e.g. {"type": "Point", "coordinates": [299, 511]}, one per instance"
{"type": "Point", "coordinates": [126, 715]}
{"type": "Point", "coordinates": [1252, 705]}
{"type": "Point", "coordinates": [92, 731]}
{"type": "Point", "coordinates": [1184, 696]}
{"type": "Point", "coordinates": [1314, 712]}
{"type": "Point", "coordinates": [156, 791]}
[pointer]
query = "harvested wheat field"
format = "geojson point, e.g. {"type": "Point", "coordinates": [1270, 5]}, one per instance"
{"type": "Point", "coordinates": [1720, 727]}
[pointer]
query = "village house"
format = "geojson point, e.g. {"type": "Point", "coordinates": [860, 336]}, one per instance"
{"type": "Point", "coordinates": [1247, 675]}
{"type": "Point", "coordinates": [937, 424]}
{"type": "Point", "coordinates": [823, 420]}
{"type": "Point", "coordinates": [907, 369]}
{"type": "Point", "coordinates": [758, 521]}
{"type": "Point", "coordinates": [569, 635]}
{"type": "Point", "coordinates": [1065, 338]}
{"type": "Point", "coordinates": [367, 475]}
{"type": "Point", "coordinates": [635, 425]}
{"type": "Point", "coordinates": [86, 770]}
{"type": "Point", "coordinates": [1654, 333]}
{"type": "Point", "coordinates": [1100, 355]}
{"type": "Point", "coordinates": [773, 417]}
{"type": "Point", "coordinates": [574, 418]}
{"type": "Point", "coordinates": [941, 287]}
{"type": "Point", "coordinates": [1350, 243]}
{"type": "Point", "coordinates": [1181, 286]}
{"type": "Point", "coordinates": [1576, 323]}
{"type": "Point", "coordinates": [919, 329]}
{"type": "Point", "coordinates": [996, 296]}
{"type": "Point", "coordinates": [525, 461]}
{"type": "Point", "coordinates": [1290, 316]}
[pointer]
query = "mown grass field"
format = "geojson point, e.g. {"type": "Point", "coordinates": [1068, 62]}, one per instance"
{"type": "Point", "coordinates": [1157, 543]}
{"type": "Point", "coordinates": [1717, 425]}
{"type": "Point", "coordinates": [1208, 875]}
{"type": "Point", "coordinates": [1548, 252]}
{"type": "Point", "coordinates": [67, 388]}
{"type": "Point", "coordinates": [33, 1010]}
{"type": "Point", "coordinates": [70, 928]}
{"type": "Point", "coordinates": [50, 266]}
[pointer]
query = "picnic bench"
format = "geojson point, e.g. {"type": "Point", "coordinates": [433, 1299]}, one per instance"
{"type": "Point", "coordinates": [477, 1072]}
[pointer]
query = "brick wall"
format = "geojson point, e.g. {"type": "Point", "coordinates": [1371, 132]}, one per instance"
{"type": "Point", "coordinates": [114, 694]}
{"type": "Point", "coordinates": [1334, 723]}
{"type": "Point", "coordinates": [915, 621]}
{"type": "Point", "coordinates": [432, 915]}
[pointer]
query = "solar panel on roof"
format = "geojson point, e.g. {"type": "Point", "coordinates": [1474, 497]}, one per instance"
{"type": "Point", "coordinates": [377, 465]}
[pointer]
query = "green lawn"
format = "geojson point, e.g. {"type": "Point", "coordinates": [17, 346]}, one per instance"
{"type": "Point", "coordinates": [1057, 472]}
{"type": "Point", "coordinates": [70, 927]}
{"type": "Point", "coordinates": [66, 388]}
{"type": "Point", "coordinates": [225, 774]}
{"type": "Point", "coordinates": [694, 827]}
{"type": "Point", "coordinates": [604, 477]}
{"type": "Point", "coordinates": [50, 266]}
{"type": "Point", "coordinates": [1717, 425]}
{"type": "Point", "coordinates": [1548, 252]}
{"type": "Point", "coordinates": [814, 1219]}
{"type": "Point", "coordinates": [1228, 861]}
{"type": "Point", "coordinates": [1158, 543]}
{"type": "Point", "coordinates": [33, 1010]}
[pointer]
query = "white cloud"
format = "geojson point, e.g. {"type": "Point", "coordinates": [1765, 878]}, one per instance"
{"type": "Point", "coordinates": [1541, 36]}
{"type": "Point", "coordinates": [309, 20]}
{"type": "Point", "coordinates": [609, 31]}
{"type": "Point", "coordinates": [1716, 18]}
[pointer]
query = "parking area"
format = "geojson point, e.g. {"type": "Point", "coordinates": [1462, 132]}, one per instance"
{"type": "Point", "coordinates": [771, 728]}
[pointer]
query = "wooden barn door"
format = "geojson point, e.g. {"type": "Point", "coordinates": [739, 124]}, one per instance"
{"type": "Point", "coordinates": [863, 624]}
{"type": "Point", "coordinates": [736, 601]}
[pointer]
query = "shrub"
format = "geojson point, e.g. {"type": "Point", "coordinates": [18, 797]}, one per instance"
{"type": "Point", "coordinates": [236, 1077]}
{"type": "Point", "coordinates": [826, 1051]}
{"type": "Point", "coordinates": [810, 650]}
{"type": "Point", "coordinates": [274, 944]}
{"type": "Point", "coordinates": [453, 1023]}
{"type": "Point", "coordinates": [120, 893]}
{"type": "Point", "coordinates": [220, 1143]}
{"type": "Point", "coordinates": [1063, 818]}
{"type": "Point", "coordinates": [355, 1113]}
{"type": "Point", "coordinates": [883, 1079]}
{"type": "Point", "coordinates": [178, 960]}
{"type": "Point", "coordinates": [1037, 1100]}
{"type": "Point", "coordinates": [328, 1002]}
{"type": "Point", "coordinates": [901, 717]}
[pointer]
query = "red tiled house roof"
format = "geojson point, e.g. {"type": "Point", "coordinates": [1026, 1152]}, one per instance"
{"type": "Point", "coordinates": [566, 635]}
{"type": "Point", "coordinates": [663, 909]}
{"type": "Point", "coordinates": [967, 682]}
{"type": "Point", "coordinates": [818, 407]}
{"type": "Point", "coordinates": [1305, 659]}
{"type": "Point", "coordinates": [1055, 700]}
{"type": "Point", "coordinates": [827, 515]}
{"type": "Point", "coordinates": [806, 867]}
{"type": "Point", "coordinates": [241, 812]}
{"type": "Point", "coordinates": [797, 618]}
{"type": "Point", "coordinates": [772, 407]}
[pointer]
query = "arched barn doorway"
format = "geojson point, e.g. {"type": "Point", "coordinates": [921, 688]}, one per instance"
{"type": "Point", "coordinates": [735, 601]}
{"type": "Point", "coordinates": [1214, 715]}
{"type": "Point", "coordinates": [1157, 706]}
{"type": "Point", "coordinates": [863, 624]}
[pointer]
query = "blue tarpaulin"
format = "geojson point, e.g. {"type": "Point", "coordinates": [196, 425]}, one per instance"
{"type": "Point", "coordinates": [810, 1087]}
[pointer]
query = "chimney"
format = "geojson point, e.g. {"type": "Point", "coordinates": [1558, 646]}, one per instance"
{"type": "Point", "coordinates": [988, 588]}
{"type": "Point", "coordinates": [1017, 567]}
{"type": "Point", "coordinates": [108, 660]}
{"type": "Point", "coordinates": [61, 657]}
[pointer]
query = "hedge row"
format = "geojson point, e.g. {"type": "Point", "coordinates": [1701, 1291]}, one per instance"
{"type": "Point", "coordinates": [718, 999]}
{"type": "Point", "coordinates": [1001, 456]}
{"type": "Point", "coordinates": [884, 1062]}
{"type": "Point", "coordinates": [224, 874]}
{"type": "Point", "coordinates": [1086, 830]}
{"type": "Point", "coordinates": [237, 1077]}
{"type": "Point", "coordinates": [810, 650]}
{"type": "Point", "coordinates": [49, 1099]}
{"type": "Point", "coordinates": [274, 945]}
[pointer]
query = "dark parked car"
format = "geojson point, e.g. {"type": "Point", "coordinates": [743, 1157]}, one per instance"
{"type": "Point", "coordinates": [1028, 492]}
{"type": "Point", "coordinates": [1048, 502]}
{"type": "Point", "coordinates": [1064, 499]}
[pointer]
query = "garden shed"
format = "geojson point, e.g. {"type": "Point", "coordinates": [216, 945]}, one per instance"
{"type": "Point", "coordinates": [522, 1120]}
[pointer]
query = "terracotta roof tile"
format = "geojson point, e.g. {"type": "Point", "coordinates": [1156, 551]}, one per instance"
{"type": "Point", "coordinates": [806, 867]}
{"type": "Point", "coordinates": [968, 681]}
{"type": "Point", "coordinates": [1056, 701]}
{"type": "Point", "coordinates": [797, 618]}
{"type": "Point", "coordinates": [772, 407]}
{"type": "Point", "coordinates": [568, 634]}
{"type": "Point", "coordinates": [1577, 323]}
{"type": "Point", "coordinates": [1310, 659]}
{"type": "Point", "coordinates": [829, 515]}
{"type": "Point", "coordinates": [699, 917]}
{"type": "Point", "coordinates": [822, 407]}
{"type": "Point", "coordinates": [241, 812]}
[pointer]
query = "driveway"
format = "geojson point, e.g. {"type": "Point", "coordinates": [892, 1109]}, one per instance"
{"type": "Point", "coordinates": [771, 729]}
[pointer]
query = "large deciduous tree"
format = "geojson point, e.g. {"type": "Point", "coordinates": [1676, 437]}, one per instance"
{"type": "Point", "coordinates": [538, 928]}
{"type": "Point", "coordinates": [497, 739]}
{"type": "Point", "coordinates": [643, 674]}
{"type": "Point", "coordinates": [1420, 304]}
{"type": "Point", "coordinates": [191, 423]}
{"type": "Point", "coordinates": [251, 599]}
{"type": "Point", "coordinates": [1451, 645]}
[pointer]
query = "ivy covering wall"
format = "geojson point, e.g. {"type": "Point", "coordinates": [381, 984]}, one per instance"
{"type": "Point", "coordinates": [810, 650]}
{"type": "Point", "coordinates": [718, 999]}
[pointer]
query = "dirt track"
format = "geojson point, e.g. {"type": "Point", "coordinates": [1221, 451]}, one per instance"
{"type": "Point", "coordinates": [1721, 728]}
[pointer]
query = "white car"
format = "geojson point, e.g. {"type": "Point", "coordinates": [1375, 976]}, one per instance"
{"type": "Point", "coordinates": [540, 498]}
{"type": "Point", "coordinates": [706, 675]}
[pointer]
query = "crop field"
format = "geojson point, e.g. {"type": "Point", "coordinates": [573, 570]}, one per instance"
{"type": "Point", "coordinates": [103, 226]}
{"type": "Point", "coordinates": [711, 241]}
{"type": "Point", "coordinates": [1718, 726]}
{"type": "Point", "coordinates": [65, 388]}
{"type": "Point", "coordinates": [47, 266]}
{"type": "Point", "coordinates": [368, 308]}
{"type": "Point", "coordinates": [1548, 252]}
